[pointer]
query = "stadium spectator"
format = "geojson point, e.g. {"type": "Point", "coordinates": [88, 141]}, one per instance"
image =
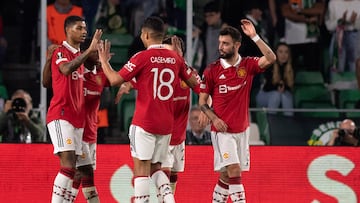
{"type": "Point", "coordinates": [56, 14]}
{"type": "Point", "coordinates": [343, 21]}
{"type": "Point", "coordinates": [209, 33]}
{"type": "Point", "coordinates": [302, 31]}
{"type": "Point", "coordinates": [346, 135]}
{"type": "Point", "coordinates": [3, 44]}
{"type": "Point", "coordinates": [18, 122]}
{"type": "Point", "coordinates": [276, 92]}
{"type": "Point", "coordinates": [197, 134]}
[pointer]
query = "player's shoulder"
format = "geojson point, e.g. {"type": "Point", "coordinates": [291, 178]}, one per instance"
{"type": "Point", "coordinates": [213, 65]}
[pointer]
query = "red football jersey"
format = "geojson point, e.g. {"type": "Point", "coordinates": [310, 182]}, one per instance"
{"type": "Point", "coordinates": [230, 87]}
{"type": "Point", "coordinates": [181, 111]}
{"type": "Point", "coordinates": [94, 83]}
{"type": "Point", "coordinates": [157, 71]}
{"type": "Point", "coordinates": [67, 102]}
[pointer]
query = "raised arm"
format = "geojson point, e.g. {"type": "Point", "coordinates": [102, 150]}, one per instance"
{"type": "Point", "coordinates": [46, 74]}
{"type": "Point", "coordinates": [269, 56]}
{"type": "Point", "coordinates": [104, 56]}
{"type": "Point", "coordinates": [71, 66]}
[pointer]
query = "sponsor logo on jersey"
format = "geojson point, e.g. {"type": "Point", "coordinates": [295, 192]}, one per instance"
{"type": "Point", "coordinates": [241, 72]}
{"type": "Point", "coordinates": [225, 88]}
{"type": "Point", "coordinates": [129, 66]}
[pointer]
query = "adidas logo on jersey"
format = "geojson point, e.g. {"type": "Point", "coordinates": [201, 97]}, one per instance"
{"type": "Point", "coordinates": [222, 76]}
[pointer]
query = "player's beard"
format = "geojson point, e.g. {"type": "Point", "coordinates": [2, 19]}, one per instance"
{"type": "Point", "coordinates": [228, 55]}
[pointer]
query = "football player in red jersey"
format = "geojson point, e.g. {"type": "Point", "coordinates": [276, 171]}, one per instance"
{"type": "Point", "coordinates": [228, 81]}
{"type": "Point", "coordinates": [65, 116]}
{"type": "Point", "coordinates": [156, 71]}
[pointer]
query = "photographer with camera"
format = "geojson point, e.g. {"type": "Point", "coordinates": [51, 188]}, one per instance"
{"type": "Point", "coordinates": [18, 122]}
{"type": "Point", "coordinates": [346, 135]}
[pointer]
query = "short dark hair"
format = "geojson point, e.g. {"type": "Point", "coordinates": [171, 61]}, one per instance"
{"type": "Point", "coordinates": [233, 32]}
{"type": "Point", "coordinates": [212, 6]}
{"type": "Point", "coordinates": [71, 20]}
{"type": "Point", "coordinates": [155, 24]}
{"type": "Point", "coordinates": [167, 40]}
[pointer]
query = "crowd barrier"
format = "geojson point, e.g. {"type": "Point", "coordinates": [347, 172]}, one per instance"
{"type": "Point", "coordinates": [277, 174]}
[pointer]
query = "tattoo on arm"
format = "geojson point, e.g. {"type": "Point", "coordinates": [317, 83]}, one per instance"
{"type": "Point", "coordinates": [75, 63]}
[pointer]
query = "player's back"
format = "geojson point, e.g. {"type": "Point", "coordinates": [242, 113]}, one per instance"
{"type": "Point", "coordinates": [157, 71]}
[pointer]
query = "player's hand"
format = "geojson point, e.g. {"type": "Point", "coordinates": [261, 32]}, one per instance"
{"type": "Point", "coordinates": [248, 28]}
{"type": "Point", "coordinates": [50, 50]}
{"type": "Point", "coordinates": [95, 40]}
{"type": "Point", "coordinates": [220, 125]}
{"type": "Point", "coordinates": [203, 120]}
{"type": "Point", "coordinates": [124, 89]}
{"type": "Point", "coordinates": [176, 44]}
{"type": "Point", "coordinates": [22, 116]}
{"type": "Point", "coordinates": [104, 51]}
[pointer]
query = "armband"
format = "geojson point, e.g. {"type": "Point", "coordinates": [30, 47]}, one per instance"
{"type": "Point", "coordinates": [205, 107]}
{"type": "Point", "coordinates": [255, 38]}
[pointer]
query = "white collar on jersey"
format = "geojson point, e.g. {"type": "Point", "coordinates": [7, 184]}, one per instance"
{"type": "Point", "coordinates": [68, 46]}
{"type": "Point", "coordinates": [226, 65]}
{"type": "Point", "coordinates": [90, 71]}
{"type": "Point", "coordinates": [157, 46]}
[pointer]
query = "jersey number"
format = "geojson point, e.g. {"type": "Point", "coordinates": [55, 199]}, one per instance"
{"type": "Point", "coordinates": [159, 76]}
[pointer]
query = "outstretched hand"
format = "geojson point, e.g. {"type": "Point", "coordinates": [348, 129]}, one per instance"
{"type": "Point", "coordinates": [104, 51]}
{"type": "Point", "coordinates": [248, 28]}
{"type": "Point", "coordinates": [95, 40]}
{"type": "Point", "coordinates": [124, 89]}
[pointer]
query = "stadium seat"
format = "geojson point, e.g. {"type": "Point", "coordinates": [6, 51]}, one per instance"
{"type": "Point", "coordinates": [342, 77]}
{"type": "Point", "coordinates": [128, 112]}
{"type": "Point", "coordinates": [255, 135]}
{"type": "Point", "coordinates": [311, 94]}
{"type": "Point", "coordinates": [125, 108]}
{"type": "Point", "coordinates": [119, 47]}
{"type": "Point", "coordinates": [3, 92]}
{"type": "Point", "coordinates": [348, 96]}
{"type": "Point", "coordinates": [319, 114]}
{"type": "Point", "coordinates": [262, 122]}
{"type": "Point", "coordinates": [350, 114]}
{"type": "Point", "coordinates": [308, 78]}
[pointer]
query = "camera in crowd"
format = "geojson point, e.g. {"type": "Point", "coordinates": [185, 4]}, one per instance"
{"type": "Point", "coordinates": [18, 105]}
{"type": "Point", "coordinates": [341, 139]}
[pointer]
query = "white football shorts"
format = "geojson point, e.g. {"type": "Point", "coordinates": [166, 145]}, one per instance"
{"type": "Point", "coordinates": [65, 137]}
{"type": "Point", "coordinates": [147, 146]}
{"type": "Point", "coordinates": [175, 158]}
{"type": "Point", "coordinates": [231, 148]}
{"type": "Point", "coordinates": [88, 156]}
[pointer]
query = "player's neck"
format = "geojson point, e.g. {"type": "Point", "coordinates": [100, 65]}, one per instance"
{"type": "Point", "coordinates": [232, 61]}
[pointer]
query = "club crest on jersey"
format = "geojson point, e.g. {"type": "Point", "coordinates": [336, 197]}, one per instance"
{"type": "Point", "coordinates": [98, 80]}
{"type": "Point", "coordinates": [226, 155]}
{"type": "Point", "coordinates": [183, 84]}
{"type": "Point", "coordinates": [241, 72]}
{"type": "Point", "coordinates": [68, 141]}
